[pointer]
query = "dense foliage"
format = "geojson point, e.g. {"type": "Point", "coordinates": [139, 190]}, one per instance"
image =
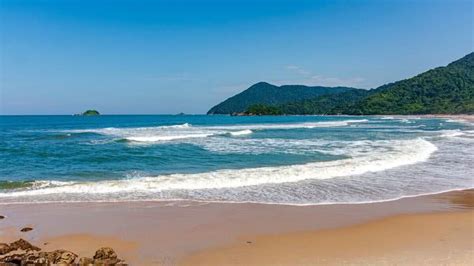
{"type": "Point", "coordinates": [326, 104]}
{"type": "Point", "coordinates": [91, 112]}
{"type": "Point", "coordinates": [268, 94]}
{"type": "Point", "coordinates": [443, 90]}
{"type": "Point", "coordinates": [262, 109]}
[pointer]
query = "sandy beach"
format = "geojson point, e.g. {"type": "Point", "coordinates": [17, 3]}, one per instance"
{"type": "Point", "coordinates": [431, 230]}
{"type": "Point", "coordinates": [236, 133]}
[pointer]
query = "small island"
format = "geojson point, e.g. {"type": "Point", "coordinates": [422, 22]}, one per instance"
{"type": "Point", "coordinates": [91, 113]}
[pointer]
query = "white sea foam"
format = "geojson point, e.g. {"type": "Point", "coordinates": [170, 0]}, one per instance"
{"type": "Point", "coordinates": [406, 121]}
{"type": "Point", "coordinates": [308, 125]}
{"type": "Point", "coordinates": [187, 131]}
{"type": "Point", "coordinates": [241, 132]}
{"type": "Point", "coordinates": [368, 156]}
{"type": "Point", "coordinates": [459, 121]}
{"type": "Point", "coordinates": [166, 138]}
{"type": "Point", "coordinates": [452, 133]}
{"type": "Point", "coordinates": [127, 130]}
{"type": "Point", "coordinates": [187, 127]}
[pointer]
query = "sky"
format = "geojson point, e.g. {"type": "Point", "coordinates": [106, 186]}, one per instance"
{"type": "Point", "coordinates": [172, 56]}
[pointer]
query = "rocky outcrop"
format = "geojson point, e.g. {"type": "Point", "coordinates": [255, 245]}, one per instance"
{"type": "Point", "coordinates": [4, 248]}
{"type": "Point", "coordinates": [23, 245]}
{"type": "Point", "coordinates": [14, 259]}
{"type": "Point", "coordinates": [9, 255]}
{"type": "Point", "coordinates": [106, 256]}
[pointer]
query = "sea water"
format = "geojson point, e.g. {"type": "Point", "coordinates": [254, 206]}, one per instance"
{"type": "Point", "coordinates": [298, 160]}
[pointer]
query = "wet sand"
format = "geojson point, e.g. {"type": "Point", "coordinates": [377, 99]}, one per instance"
{"type": "Point", "coordinates": [170, 233]}
{"type": "Point", "coordinates": [415, 239]}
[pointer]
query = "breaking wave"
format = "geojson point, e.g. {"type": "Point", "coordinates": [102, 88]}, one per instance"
{"type": "Point", "coordinates": [241, 132]}
{"type": "Point", "coordinates": [383, 155]}
{"type": "Point", "coordinates": [187, 131]}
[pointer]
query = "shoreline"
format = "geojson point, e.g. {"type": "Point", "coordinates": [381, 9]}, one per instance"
{"type": "Point", "coordinates": [167, 233]}
{"type": "Point", "coordinates": [194, 232]}
{"type": "Point", "coordinates": [466, 117]}
{"type": "Point", "coordinates": [202, 202]}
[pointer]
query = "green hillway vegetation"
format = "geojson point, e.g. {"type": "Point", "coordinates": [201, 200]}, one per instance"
{"type": "Point", "coordinates": [443, 90]}
{"type": "Point", "coordinates": [268, 94]}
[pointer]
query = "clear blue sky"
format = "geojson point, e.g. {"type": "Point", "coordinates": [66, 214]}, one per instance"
{"type": "Point", "coordinates": [148, 57]}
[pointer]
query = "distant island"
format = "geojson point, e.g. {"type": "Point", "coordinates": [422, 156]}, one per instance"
{"type": "Point", "coordinates": [91, 113]}
{"type": "Point", "coordinates": [442, 90]}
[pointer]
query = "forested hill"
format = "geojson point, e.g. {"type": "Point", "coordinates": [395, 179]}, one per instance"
{"type": "Point", "coordinates": [443, 90]}
{"type": "Point", "coordinates": [268, 94]}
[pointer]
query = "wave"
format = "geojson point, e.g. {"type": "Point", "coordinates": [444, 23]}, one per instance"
{"type": "Point", "coordinates": [407, 121]}
{"type": "Point", "coordinates": [241, 132]}
{"type": "Point", "coordinates": [385, 155]}
{"type": "Point", "coordinates": [119, 130]}
{"type": "Point", "coordinates": [452, 133]}
{"type": "Point", "coordinates": [307, 125]}
{"type": "Point", "coordinates": [188, 131]}
{"type": "Point", "coordinates": [186, 126]}
{"type": "Point", "coordinates": [15, 184]}
{"type": "Point", "coordinates": [165, 138]}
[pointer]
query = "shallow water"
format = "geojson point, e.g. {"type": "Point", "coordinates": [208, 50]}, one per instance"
{"type": "Point", "coordinates": [287, 160]}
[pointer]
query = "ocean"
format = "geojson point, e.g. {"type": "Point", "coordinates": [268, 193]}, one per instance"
{"type": "Point", "coordinates": [297, 160]}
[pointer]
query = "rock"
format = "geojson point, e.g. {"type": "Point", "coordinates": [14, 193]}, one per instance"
{"type": "Point", "coordinates": [104, 256]}
{"type": "Point", "coordinates": [4, 248]}
{"type": "Point", "coordinates": [14, 259]}
{"type": "Point", "coordinates": [84, 261]}
{"type": "Point", "coordinates": [35, 259]}
{"type": "Point", "coordinates": [60, 256]}
{"type": "Point", "coordinates": [65, 257]}
{"type": "Point", "coordinates": [115, 262]}
{"type": "Point", "coordinates": [23, 245]}
{"type": "Point", "coordinates": [2, 217]}
{"type": "Point", "coordinates": [105, 253]}
{"type": "Point", "coordinates": [26, 229]}
{"type": "Point", "coordinates": [30, 256]}
{"type": "Point", "coordinates": [107, 256]}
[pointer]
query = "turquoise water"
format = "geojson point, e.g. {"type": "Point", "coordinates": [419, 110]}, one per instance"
{"type": "Point", "coordinates": [286, 160]}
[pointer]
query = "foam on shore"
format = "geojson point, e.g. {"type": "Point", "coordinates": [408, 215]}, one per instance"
{"type": "Point", "coordinates": [389, 154]}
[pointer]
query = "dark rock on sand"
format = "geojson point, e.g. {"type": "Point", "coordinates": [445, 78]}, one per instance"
{"type": "Point", "coordinates": [23, 245]}
{"type": "Point", "coordinates": [60, 256]}
{"type": "Point", "coordinates": [57, 257]}
{"type": "Point", "coordinates": [35, 259]}
{"type": "Point", "coordinates": [26, 229]}
{"type": "Point", "coordinates": [107, 256]}
{"type": "Point", "coordinates": [2, 217]}
{"type": "Point", "coordinates": [4, 248]}
{"type": "Point", "coordinates": [105, 253]}
{"type": "Point", "coordinates": [31, 256]}
{"type": "Point", "coordinates": [14, 259]}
